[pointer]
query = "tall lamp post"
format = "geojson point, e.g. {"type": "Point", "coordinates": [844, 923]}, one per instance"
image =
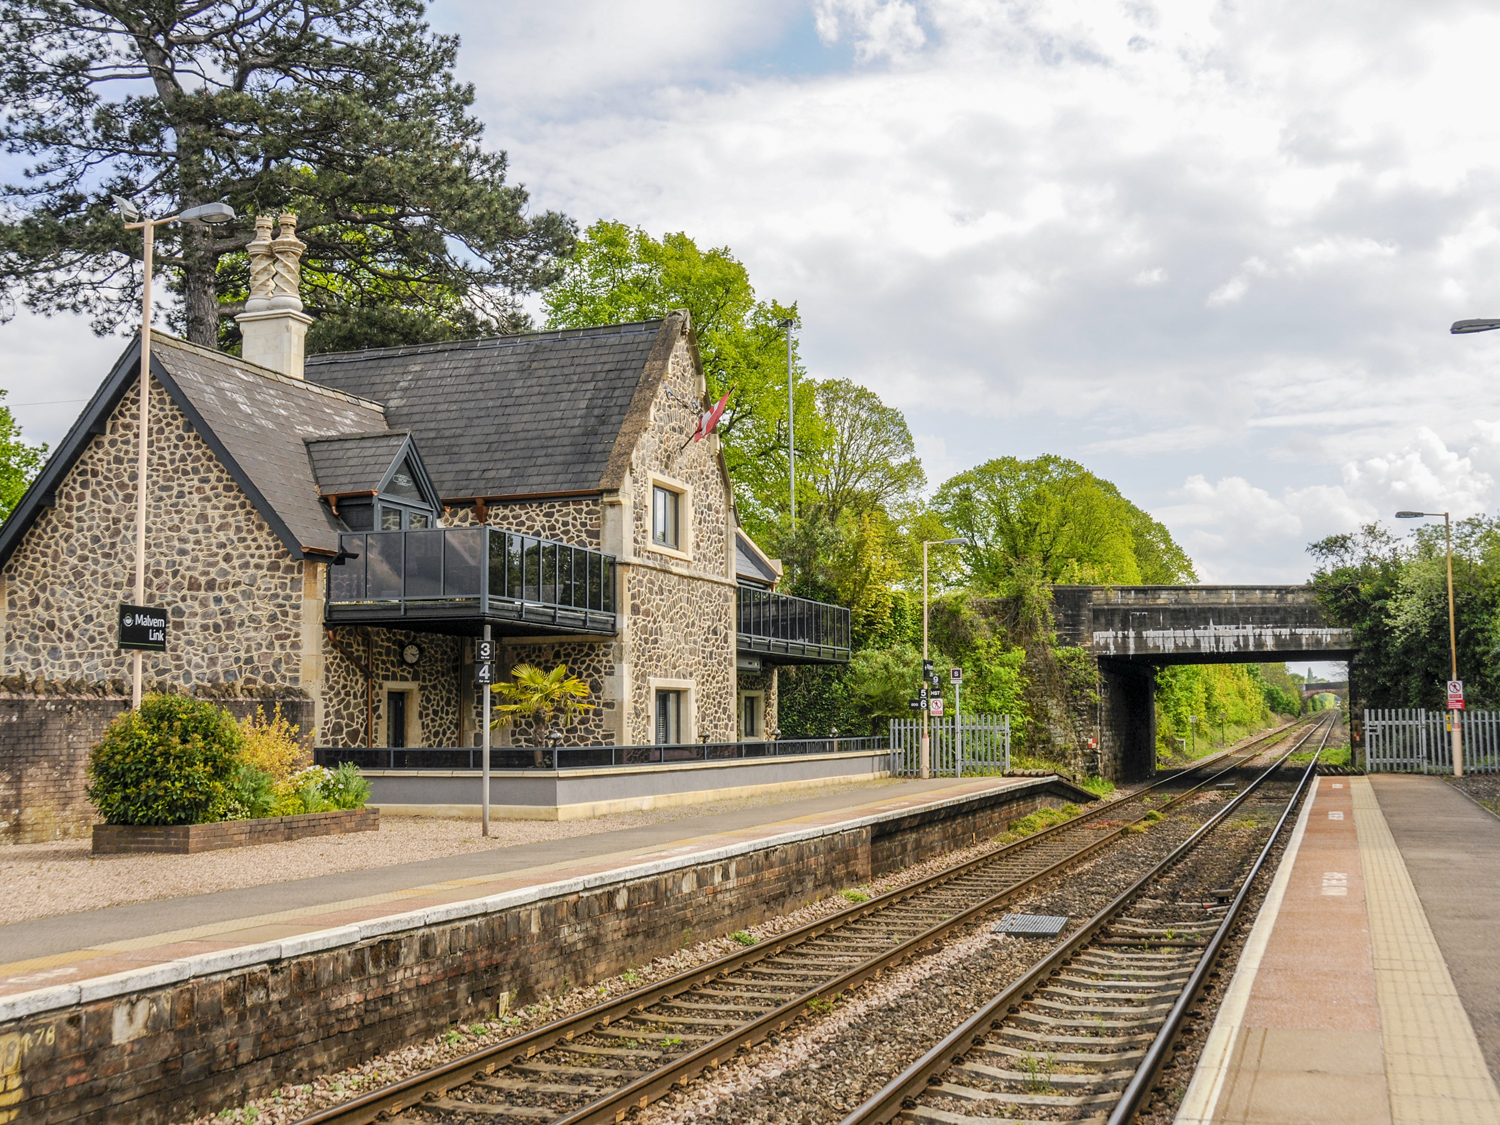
{"type": "Point", "coordinates": [791, 422]}
{"type": "Point", "coordinates": [1458, 744]}
{"type": "Point", "coordinates": [927, 712]}
{"type": "Point", "coordinates": [134, 220]}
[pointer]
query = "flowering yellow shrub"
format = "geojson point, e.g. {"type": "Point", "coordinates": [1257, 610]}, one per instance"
{"type": "Point", "coordinates": [272, 745]}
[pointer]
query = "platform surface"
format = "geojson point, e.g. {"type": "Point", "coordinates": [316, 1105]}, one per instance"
{"type": "Point", "coordinates": [69, 948]}
{"type": "Point", "coordinates": [1370, 969]}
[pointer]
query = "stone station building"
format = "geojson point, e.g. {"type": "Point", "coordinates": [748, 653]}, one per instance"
{"type": "Point", "coordinates": [343, 527]}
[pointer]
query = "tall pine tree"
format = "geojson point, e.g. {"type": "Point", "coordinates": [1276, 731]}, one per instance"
{"type": "Point", "coordinates": [345, 111]}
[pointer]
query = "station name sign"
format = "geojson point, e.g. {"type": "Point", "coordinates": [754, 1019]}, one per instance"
{"type": "Point", "coordinates": [143, 627]}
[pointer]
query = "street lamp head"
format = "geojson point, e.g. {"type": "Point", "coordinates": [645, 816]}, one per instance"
{"type": "Point", "coordinates": [127, 208]}
{"type": "Point", "coordinates": [959, 542]}
{"type": "Point", "coordinates": [1410, 515]}
{"type": "Point", "coordinates": [787, 324]}
{"type": "Point", "coordinates": [208, 213]}
{"type": "Point", "coordinates": [1462, 327]}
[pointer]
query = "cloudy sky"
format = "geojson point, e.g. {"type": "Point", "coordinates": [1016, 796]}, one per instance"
{"type": "Point", "coordinates": [1211, 250]}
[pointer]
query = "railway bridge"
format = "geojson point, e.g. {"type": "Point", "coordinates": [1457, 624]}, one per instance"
{"type": "Point", "coordinates": [1133, 630]}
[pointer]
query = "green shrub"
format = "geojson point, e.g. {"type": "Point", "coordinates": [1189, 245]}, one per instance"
{"type": "Point", "coordinates": [347, 788]}
{"type": "Point", "coordinates": [171, 762]}
{"type": "Point", "coordinates": [252, 794]}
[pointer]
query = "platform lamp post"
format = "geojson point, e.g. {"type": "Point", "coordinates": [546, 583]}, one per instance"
{"type": "Point", "coordinates": [791, 421]}
{"type": "Point", "coordinates": [927, 712]}
{"type": "Point", "coordinates": [208, 213]}
{"type": "Point", "coordinates": [1458, 741]}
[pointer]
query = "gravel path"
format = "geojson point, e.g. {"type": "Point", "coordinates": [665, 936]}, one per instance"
{"type": "Point", "coordinates": [64, 877]}
{"type": "Point", "coordinates": [1483, 787]}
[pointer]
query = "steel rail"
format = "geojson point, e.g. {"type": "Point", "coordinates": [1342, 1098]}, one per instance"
{"type": "Point", "coordinates": [437, 1081]}
{"type": "Point", "coordinates": [890, 1101]}
{"type": "Point", "coordinates": [1157, 1054]}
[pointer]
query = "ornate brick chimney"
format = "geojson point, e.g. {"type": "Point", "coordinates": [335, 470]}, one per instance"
{"type": "Point", "coordinates": [273, 325]}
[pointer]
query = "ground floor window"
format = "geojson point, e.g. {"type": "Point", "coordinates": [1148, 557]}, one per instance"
{"type": "Point", "coordinates": [752, 715]}
{"type": "Point", "coordinates": [668, 717]}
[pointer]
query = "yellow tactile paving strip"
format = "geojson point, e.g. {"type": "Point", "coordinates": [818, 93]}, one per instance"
{"type": "Point", "coordinates": [1433, 1063]}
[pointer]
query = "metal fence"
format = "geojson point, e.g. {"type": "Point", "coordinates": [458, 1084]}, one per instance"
{"type": "Point", "coordinates": [584, 757]}
{"type": "Point", "coordinates": [966, 746]}
{"type": "Point", "coordinates": [1420, 741]}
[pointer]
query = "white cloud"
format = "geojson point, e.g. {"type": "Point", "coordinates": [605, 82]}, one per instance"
{"type": "Point", "coordinates": [1232, 526]}
{"type": "Point", "coordinates": [1174, 240]}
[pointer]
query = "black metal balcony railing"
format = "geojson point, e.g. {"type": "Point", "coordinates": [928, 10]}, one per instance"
{"type": "Point", "coordinates": [785, 628]}
{"type": "Point", "coordinates": [587, 757]}
{"type": "Point", "coordinates": [471, 574]}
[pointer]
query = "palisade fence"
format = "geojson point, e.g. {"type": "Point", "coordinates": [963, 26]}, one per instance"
{"type": "Point", "coordinates": [1419, 741]}
{"type": "Point", "coordinates": [967, 746]}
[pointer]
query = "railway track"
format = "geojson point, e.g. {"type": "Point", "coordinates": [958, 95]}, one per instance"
{"type": "Point", "coordinates": [1082, 1037]}
{"type": "Point", "coordinates": [601, 1063]}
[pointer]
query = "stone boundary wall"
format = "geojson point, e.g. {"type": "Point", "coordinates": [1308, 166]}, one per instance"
{"type": "Point", "coordinates": [44, 754]}
{"type": "Point", "coordinates": [188, 839]}
{"type": "Point", "coordinates": [174, 1041]}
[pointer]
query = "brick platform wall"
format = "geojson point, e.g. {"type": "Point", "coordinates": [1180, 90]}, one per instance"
{"type": "Point", "coordinates": [188, 1047]}
{"type": "Point", "coordinates": [44, 753]}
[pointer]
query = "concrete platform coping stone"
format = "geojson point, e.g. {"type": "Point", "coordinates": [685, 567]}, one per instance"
{"type": "Point", "coordinates": [56, 997]}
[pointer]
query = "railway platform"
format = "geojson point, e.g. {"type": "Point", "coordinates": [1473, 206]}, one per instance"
{"type": "Point", "coordinates": [219, 929]}
{"type": "Point", "coordinates": [1369, 989]}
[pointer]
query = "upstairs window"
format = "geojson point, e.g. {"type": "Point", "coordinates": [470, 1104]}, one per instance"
{"type": "Point", "coordinates": [665, 508]}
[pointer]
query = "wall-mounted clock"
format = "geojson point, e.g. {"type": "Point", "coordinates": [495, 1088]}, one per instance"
{"type": "Point", "coordinates": [411, 653]}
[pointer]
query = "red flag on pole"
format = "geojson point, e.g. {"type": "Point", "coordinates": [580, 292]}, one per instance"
{"type": "Point", "coordinates": [710, 419]}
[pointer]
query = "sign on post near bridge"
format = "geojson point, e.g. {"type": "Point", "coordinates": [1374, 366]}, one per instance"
{"type": "Point", "coordinates": [143, 627]}
{"type": "Point", "coordinates": [1455, 695]}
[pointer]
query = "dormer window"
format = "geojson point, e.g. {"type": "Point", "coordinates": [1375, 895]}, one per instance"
{"type": "Point", "coordinates": [375, 482]}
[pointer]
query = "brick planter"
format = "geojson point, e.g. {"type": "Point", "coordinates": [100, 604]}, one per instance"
{"type": "Point", "coordinates": [182, 839]}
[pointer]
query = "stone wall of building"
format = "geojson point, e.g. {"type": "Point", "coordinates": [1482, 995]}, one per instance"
{"type": "Point", "coordinates": [681, 610]}
{"type": "Point", "coordinates": [45, 743]}
{"type": "Point", "coordinates": [436, 677]}
{"type": "Point", "coordinates": [234, 595]}
{"type": "Point", "coordinates": [571, 520]}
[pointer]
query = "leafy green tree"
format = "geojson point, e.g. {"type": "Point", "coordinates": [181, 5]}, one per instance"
{"type": "Point", "coordinates": [1393, 595]}
{"type": "Point", "coordinates": [1050, 519]}
{"type": "Point", "coordinates": [868, 461]}
{"type": "Point", "coordinates": [345, 111]}
{"type": "Point", "coordinates": [19, 462]}
{"type": "Point", "coordinates": [618, 274]}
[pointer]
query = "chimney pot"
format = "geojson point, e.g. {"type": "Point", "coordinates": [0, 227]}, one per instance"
{"type": "Point", "coordinates": [273, 327]}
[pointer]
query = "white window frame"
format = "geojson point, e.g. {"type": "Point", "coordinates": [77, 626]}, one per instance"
{"type": "Point", "coordinates": [688, 719]}
{"type": "Point", "coordinates": [413, 712]}
{"type": "Point", "coordinates": [759, 699]}
{"type": "Point", "coordinates": [684, 548]}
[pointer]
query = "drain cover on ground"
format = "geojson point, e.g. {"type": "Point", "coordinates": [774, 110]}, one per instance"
{"type": "Point", "coordinates": [1038, 925]}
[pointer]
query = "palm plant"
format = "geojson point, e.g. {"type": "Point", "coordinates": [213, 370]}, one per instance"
{"type": "Point", "coordinates": [543, 697]}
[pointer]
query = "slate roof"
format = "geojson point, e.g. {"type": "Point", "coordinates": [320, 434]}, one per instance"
{"type": "Point", "coordinates": [540, 412]}
{"type": "Point", "coordinates": [258, 421]}
{"type": "Point", "coordinates": [353, 463]}
{"type": "Point", "coordinates": [254, 420]}
{"type": "Point", "coordinates": [750, 563]}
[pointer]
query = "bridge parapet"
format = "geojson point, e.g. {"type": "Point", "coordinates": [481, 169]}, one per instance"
{"type": "Point", "coordinates": [1197, 624]}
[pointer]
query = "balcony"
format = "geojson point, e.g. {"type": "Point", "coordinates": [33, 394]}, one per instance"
{"type": "Point", "coordinates": [451, 580]}
{"type": "Point", "coordinates": [787, 630]}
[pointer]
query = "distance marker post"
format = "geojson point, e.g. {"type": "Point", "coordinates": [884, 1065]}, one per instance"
{"type": "Point", "coordinates": [484, 678]}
